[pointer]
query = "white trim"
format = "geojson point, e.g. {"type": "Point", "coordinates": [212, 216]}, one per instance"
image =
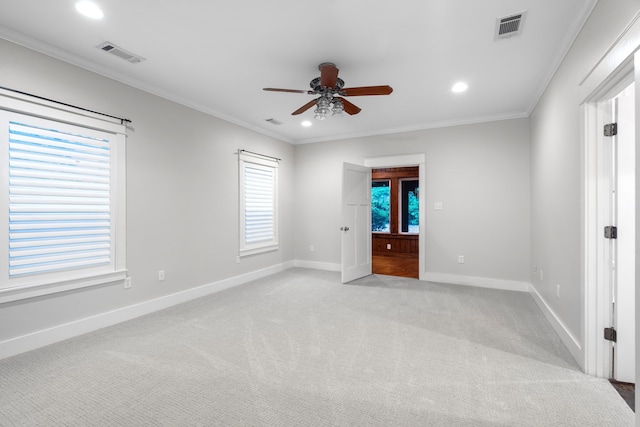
{"type": "Point", "coordinates": [59, 333]}
{"type": "Point", "coordinates": [619, 54]}
{"type": "Point", "coordinates": [40, 289]}
{"type": "Point", "coordinates": [420, 127]}
{"type": "Point", "coordinates": [479, 282]}
{"type": "Point", "coordinates": [54, 52]}
{"type": "Point", "coordinates": [316, 265]}
{"type": "Point", "coordinates": [608, 73]}
{"type": "Point", "coordinates": [568, 339]}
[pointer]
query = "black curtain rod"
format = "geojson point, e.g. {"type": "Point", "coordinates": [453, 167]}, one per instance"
{"type": "Point", "coordinates": [122, 121]}
{"type": "Point", "coordinates": [261, 155]}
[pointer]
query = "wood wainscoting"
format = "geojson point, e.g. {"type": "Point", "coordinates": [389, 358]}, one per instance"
{"type": "Point", "coordinates": [392, 244]}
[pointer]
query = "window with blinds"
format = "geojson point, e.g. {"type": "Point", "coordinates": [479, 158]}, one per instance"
{"type": "Point", "coordinates": [59, 199]}
{"type": "Point", "coordinates": [62, 199]}
{"type": "Point", "coordinates": [258, 204]}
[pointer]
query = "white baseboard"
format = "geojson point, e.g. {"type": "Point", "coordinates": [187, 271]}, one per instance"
{"type": "Point", "coordinates": [570, 341]}
{"type": "Point", "coordinates": [327, 266]}
{"type": "Point", "coordinates": [59, 333]}
{"type": "Point", "coordinates": [480, 282]}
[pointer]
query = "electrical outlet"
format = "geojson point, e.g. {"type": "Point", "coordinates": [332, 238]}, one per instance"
{"type": "Point", "coordinates": [541, 275]}
{"type": "Point", "coordinates": [160, 275]}
{"type": "Point", "coordinates": [127, 282]}
{"type": "Point", "coordinates": [535, 268]}
{"type": "Point", "coordinates": [460, 259]}
{"type": "Point", "coordinates": [558, 290]}
{"type": "Point", "coordinates": [389, 246]}
{"type": "Point", "coordinates": [437, 206]}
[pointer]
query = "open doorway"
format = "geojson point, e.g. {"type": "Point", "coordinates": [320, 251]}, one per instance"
{"type": "Point", "coordinates": [395, 221]}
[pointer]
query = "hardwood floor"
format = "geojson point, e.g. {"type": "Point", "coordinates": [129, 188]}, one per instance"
{"type": "Point", "coordinates": [627, 391]}
{"type": "Point", "coordinates": [404, 265]}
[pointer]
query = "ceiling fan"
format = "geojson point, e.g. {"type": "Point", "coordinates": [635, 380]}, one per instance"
{"type": "Point", "coordinates": [329, 86]}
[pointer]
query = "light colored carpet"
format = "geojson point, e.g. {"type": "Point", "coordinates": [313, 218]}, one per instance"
{"type": "Point", "coordinates": [300, 349]}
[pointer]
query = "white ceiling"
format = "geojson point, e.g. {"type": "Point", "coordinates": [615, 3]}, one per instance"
{"type": "Point", "coordinates": [216, 56]}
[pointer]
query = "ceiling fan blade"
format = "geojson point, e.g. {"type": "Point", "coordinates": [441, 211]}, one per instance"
{"type": "Point", "coordinates": [328, 74]}
{"type": "Point", "coordinates": [366, 90]}
{"type": "Point", "coordinates": [349, 108]}
{"type": "Point", "coordinates": [305, 107]}
{"type": "Point", "coordinates": [273, 89]}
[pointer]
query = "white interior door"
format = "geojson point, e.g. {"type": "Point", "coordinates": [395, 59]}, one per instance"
{"type": "Point", "coordinates": [624, 219]}
{"type": "Point", "coordinates": [356, 222]}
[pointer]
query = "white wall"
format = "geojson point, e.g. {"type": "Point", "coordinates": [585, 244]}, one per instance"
{"type": "Point", "coordinates": [182, 205]}
{"type": "Point", "coordinates": [479, 172]}
{"type": "Point", "coordinates": [556, 170]}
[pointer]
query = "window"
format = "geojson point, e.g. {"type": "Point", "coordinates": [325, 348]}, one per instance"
{"type": "Point", "coordinates": [394, 201]}
{"type": "Point", "coordinates": [409, 206]}
{"type": "Point", "coordinates": [258, 203]}
{"type": "Point", "coordinates": [380, 206]}
{"type": "Point", "coordinates": [62, 201]}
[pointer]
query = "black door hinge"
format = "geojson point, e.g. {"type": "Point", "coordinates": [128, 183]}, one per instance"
{"type": "Point", "coordinates": [611, 232]}
{"type": "Point", "coordinates": [610, 334]}
{"type": "Point", "coordinates": [611, 129]}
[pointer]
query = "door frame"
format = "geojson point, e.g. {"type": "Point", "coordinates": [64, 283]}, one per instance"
{"type": "Point", "coordinates": [403, 161]}
{"type": "Point", "coordinates": [619, 66]}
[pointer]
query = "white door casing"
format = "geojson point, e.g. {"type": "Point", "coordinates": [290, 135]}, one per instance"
{"type": "Point", "coordinates": [621, 59]}
{"type": "Point", "coordinates": [624, 209]}
{"type": "Point", "coordinates": [356, 222]}
{"type": "Point", "coordinates": [613, 264]}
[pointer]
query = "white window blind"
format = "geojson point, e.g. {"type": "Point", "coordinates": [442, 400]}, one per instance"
{"type": "Point", "coordinates": [258, 204]}
{"type": "Point", "coordinates": [59, 200]}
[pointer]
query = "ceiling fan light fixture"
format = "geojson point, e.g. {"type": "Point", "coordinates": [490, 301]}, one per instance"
{"type": "Point", "coordinates": [338, 108]}
{"type": "Point", "coordinates": [323, 109]}
{"type": "Point", "coordinates": [321, 113]}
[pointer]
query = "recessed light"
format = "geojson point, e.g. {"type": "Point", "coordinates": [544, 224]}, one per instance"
{"type": "Point", "coordinates": [459, 87]}
{"type": "Point", "coordinates": [306, 123]}
{"type": "Point", "coordinates": [89, 9]}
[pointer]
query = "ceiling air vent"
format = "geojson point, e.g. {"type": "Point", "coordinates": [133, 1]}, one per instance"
{"type": "Point", "coordinates": [509, 26]}
{"type": "Point", "coordinates": [120, 53]}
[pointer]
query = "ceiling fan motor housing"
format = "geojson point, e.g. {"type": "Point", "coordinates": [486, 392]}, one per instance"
{"type": "Point", "coordinates": [318, 88]}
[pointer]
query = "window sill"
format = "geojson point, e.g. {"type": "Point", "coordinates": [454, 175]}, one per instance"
{"type": "Point", "coordinates": [41, 289]}
{"type": "Point", "coordinates": [255, 251]}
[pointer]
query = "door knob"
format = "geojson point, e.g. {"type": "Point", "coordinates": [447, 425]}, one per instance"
{"type": "Point", "coordinates": [344, 228]}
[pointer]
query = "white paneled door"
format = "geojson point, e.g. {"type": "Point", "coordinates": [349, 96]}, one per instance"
{"type": "Point", "coordinates": [356, 222]}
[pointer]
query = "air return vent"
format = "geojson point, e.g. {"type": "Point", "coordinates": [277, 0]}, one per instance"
{"type": "Point", "coordinates": [120, 53]}
{"type": "Point", "coordinates": [509, 26]}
